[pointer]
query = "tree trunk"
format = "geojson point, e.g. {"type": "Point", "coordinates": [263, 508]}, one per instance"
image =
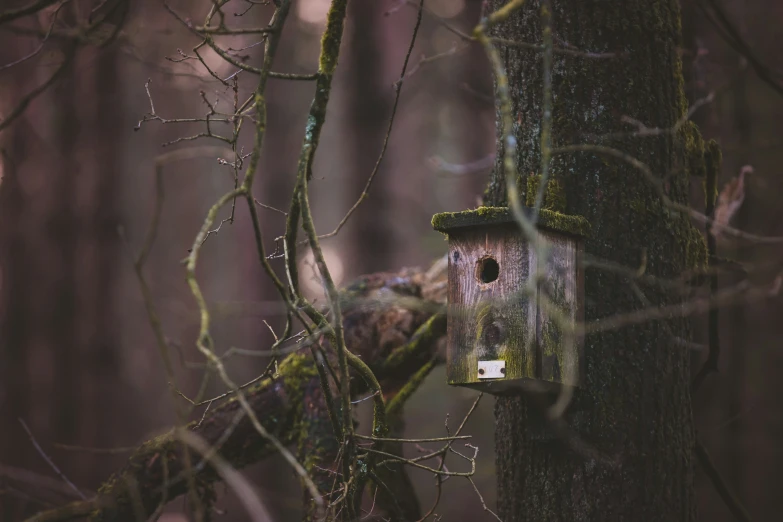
{"type": "Point", "coordinates": [369, 105]}
{"type": "Point", "coordinates": [635, 402]}
{"type": "Point", "coordinates": [58, 246]}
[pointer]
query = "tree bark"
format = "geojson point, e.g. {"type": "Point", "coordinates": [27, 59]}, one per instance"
{"type": "Point", "coordinates": [635, 402]}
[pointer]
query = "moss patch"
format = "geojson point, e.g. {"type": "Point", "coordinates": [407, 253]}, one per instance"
{"type": "Point", "coordinates": [330, 41]}
{"type": "Point", "coordinates": [695, 250]}
{"type": "Point", "coordinates": [547, 219]}
{"type": "Point", "coordinates": [694, 149]}
{"type": "Point", "coordinates": [554, 195]}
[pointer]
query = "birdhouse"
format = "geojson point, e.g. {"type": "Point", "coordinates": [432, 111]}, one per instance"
{"type": "Point", "coordinates": [511, 302]}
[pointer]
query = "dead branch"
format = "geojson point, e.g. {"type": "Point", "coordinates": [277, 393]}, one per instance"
{"type": "Point", "coordinates": [723, 489]}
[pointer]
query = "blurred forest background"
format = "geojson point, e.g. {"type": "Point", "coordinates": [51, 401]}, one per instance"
{"type": "Point", "coordinates": [78, 361]}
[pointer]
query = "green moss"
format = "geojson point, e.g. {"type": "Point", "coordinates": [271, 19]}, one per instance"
{"type": "Point", "coordinates": [516, 347]}
{"type": "Point", "coordinates": [695, 250]}
{"type": "Point", "coordinates": [554, 195]}
{"type": "Point", "coordinates": [694, 149]}
{"type": "Point", "coordinates": [419, 344]}
{"type": "Point", "coordinates": [638, 206]}
{"type": "Point", "coordinates": [550, 339]}
{"type": "Point", "coordinates": [330, 41]}
{"type": "Point", "coordinates": [483, 312]}
{"type": "Point", "coordinates": [295, 371]}
{"type": "Point", "coordinates": [703, 160]}
{"type": "Point", "coordinates": [396, 403]}
{"type": "Point", "coordinates": [547, 219]}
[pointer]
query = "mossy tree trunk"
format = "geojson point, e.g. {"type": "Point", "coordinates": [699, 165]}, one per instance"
{"type": "Point", "coordinates": [635, 402]}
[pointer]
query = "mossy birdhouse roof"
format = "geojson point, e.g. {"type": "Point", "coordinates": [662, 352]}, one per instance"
{"type": "Point", "coordinates": [449, 221]}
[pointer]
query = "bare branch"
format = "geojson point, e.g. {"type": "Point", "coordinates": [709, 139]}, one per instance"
{"type": "Point", "coordinates": [729, 498]}
{"type": "Point", "coordinates": [43, 42]}
{"type": "Point", "coordinates": [31, 8]}
{"type": "Point", "coordinates": [49, 461]}
{"type": "Point", "coordinates": [20, 107]}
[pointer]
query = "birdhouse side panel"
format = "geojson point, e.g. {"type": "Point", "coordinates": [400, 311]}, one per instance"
{"type": "Point", "coordinates": [559, 307]}
{"type": "Point", "coordinates": [458, 353]}
{"type": "Point", "coordinates": [491, 310]}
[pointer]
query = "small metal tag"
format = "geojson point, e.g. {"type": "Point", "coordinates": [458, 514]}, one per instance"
{"type": "Point", "coordinates": [491, 369]}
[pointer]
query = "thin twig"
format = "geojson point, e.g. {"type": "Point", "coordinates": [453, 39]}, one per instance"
{"type": "Point", "coordinates": [712, 157]}
{"type": "Point", "coordinates": [415, 441]}
{"type": "Point", "coordinates": [204, 342]}
{"type": "Point", "coordinates": [49, 461]}
{"type": "Point", "coordinates": [242, 488]}
{"type": "Point", "coordinates": [31, 8]}
{"type": "Point", "coordinates": [22, 104]}
{"type": "Point", "coordinates": [97, 451]}
{"type": "Point", "coordinates": [43, 41]}
{"type": "Point", "coordinates": [546, 103]}
{"type": "Point", "coordinates": [398, 92]}
{"type": "Point", "coordinates": [723, 489]}
{"type": "Point", "coordinates": [570, 51]}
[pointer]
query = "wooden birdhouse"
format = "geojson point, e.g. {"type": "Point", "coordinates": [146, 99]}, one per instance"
{"type": "Point", "coordinates": [508, 301]}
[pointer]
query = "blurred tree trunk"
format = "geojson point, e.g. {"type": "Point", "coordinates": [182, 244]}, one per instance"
{"type": "Point", "coordinates": [106, 411]}
{"type": "Point", "coordinates": [58, 238]}
{"type": "Point", "coordinates": [369, 103]}
{"type": "Point", "coordinates": [369, 98]}
{"type": "Point", "coordinates": [25, 357]}
{"type": "Point", "coordinates": [635, 401]}
{"type": "Point", "coordinates": [735, 367]}
{"type": "Point", "coordinates": [16, 324]}
{"type": "Point", "coordinates": [63, 239]}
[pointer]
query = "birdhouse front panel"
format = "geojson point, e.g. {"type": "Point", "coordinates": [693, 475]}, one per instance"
{"type": "Point", "coordinates": [512, 307]}
{"type": "Point", "coordinates": [490, 315]}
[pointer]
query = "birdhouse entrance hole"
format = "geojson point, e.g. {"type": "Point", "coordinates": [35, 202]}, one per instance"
{"type": "Point", "coordinates": [488, 270]}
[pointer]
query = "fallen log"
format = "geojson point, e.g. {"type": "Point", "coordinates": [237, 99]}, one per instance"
{"type": "Point", "coordinates": [393, 321]}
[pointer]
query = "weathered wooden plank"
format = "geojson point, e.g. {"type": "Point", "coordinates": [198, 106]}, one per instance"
{"type": "Point", "coordinates": [489, 318]}
{"type": "Point", "coordinates": [558, 307]}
